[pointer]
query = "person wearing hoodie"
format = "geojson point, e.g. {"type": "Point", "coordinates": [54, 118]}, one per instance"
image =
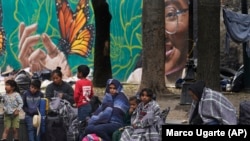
{"type": "Point", "coordinates": [110, 115]}
{"type": "Point", "coordinates": [210, 107]}
{"type": "Point", "coordinates": [31, 100]}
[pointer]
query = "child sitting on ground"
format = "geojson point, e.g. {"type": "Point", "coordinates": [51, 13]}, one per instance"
{"type": "Point", "coordinates": [133, 102]}
{"type": "Point", "coordinates": [145, 120]}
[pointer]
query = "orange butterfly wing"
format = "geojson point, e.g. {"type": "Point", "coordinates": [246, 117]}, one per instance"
{"type": "Point", "coordinates": [65, 16]}
{"type": "Point", "coordinates": [77, 37]}
{"type": "Point", "coordinates": [2, 33]}
{"type": "Point", "coordinates": [83, 40]}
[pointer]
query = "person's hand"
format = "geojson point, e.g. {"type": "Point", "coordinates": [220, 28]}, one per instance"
{"type": "Point", "coordinates": [60, 95]}
{"type": "Point", "coordinates": [16, 113]}
{"type": "Point", "coordinates": [131, 110]}
{"type": "Point", "coordinates": [134, 126]}
{"type": "Point", "coordinates": [38, 59]}
{"type": "Point", "coordinates": [121, 129]}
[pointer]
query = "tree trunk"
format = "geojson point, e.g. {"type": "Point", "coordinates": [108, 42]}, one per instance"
{"type": "Point", "coordinates": [102, 64]}
{"type": "Point", "coordinates": [153, 50]}
{"type": "Point", "coordinates": [208, 45]}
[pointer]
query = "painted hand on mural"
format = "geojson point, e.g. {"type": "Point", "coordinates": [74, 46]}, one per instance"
{"type": "Point", "coordinates": [38, 59]}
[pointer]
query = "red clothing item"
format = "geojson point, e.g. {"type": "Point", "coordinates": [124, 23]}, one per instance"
{"type": "Point", "coordinates": [83, 92]}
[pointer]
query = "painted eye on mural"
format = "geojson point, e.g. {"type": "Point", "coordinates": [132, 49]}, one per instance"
{"type": "Point", "coordinates": [76, 36]}
{"type": "Point", "coordinates": [2, 33]}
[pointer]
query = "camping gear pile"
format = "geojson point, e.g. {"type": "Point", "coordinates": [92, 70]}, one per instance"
{"type": "Point", "coordinates": [62, 121]}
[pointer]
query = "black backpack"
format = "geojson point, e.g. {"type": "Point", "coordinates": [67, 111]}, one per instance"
{"type": "Point", "coordinates": [55, 129]}
{"type": "Point", "coordinates": [95, 102]}
{"type": "Point", "coordinates": [23, 80]}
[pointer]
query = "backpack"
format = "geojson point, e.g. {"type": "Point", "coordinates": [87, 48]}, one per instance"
{"type": "Point", "coordinates": [55, 129]}
{"type": "Point", "coordinates": [91, 137]}
{"type": "Point", "coordinates": [63, 118]}
{"type": "Point", "coordinates": [73, 131]}
{"type": "Point", "coordinates": [95, 102]}
{"type": "Point", "coordinates": [23, 80]}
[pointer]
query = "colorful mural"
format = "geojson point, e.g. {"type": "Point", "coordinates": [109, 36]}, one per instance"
{"type": "Point", "coordinates": [2, 33]}
{"type": "Point", "coordinates": [126, 36]}
{"type": "Point", "coordinates": [43, 20]}
{"type": "Point", "coordinates": [41, 24]}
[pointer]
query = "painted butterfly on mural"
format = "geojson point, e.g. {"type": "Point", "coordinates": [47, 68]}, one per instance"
{"type": "Point", "coordinates": [76, 35]}
{"type": "Point", "coordinates": [2, 33]}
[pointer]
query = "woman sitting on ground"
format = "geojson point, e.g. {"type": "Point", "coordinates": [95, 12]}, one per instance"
{"type": "Point", "coordinates": [59, 88]}
{"type": "Point", "coordinates": [133, 103]}
{"type": "Point", "coordinates": [110, 115]}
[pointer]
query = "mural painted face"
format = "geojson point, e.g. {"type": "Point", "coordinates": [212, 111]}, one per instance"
{"type": "Point", "coordinates": [176, 34]}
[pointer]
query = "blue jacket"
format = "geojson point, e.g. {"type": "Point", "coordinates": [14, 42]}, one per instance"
{"type": "Point", "coordinates": [113, 108]}
{"type": "Point", "coordinates": [31, 102]}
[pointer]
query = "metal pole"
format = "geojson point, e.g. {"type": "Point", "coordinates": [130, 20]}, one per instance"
{"type": "Point", "coordinates": [190, 73]}
{"type": "Point", "coordinates": [191, 29]}
{"type": "Point", "coordinates": [246, 59]}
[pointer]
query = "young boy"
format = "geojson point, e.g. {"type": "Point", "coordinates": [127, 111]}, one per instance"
{"type": "Point", "coordinates": [31, 99]}
{"type": "Point", "coordinates": [83, 92]}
